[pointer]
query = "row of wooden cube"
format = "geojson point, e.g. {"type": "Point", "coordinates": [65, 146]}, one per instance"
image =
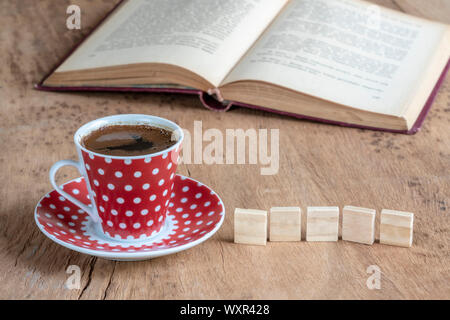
{"type": "Point", "coordinates": [322, 224]}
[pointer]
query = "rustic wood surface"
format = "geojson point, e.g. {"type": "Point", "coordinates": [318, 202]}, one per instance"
{"type": "Point", "coordinates": [320, 165]}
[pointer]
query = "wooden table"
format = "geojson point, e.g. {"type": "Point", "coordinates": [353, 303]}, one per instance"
{"type": "Point", "coordinates": [319, 165]}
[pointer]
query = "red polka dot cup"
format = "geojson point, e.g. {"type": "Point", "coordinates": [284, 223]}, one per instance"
{"type": "Point", "coordinates": [129, 194]}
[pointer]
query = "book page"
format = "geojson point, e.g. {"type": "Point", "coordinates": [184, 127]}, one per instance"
{"type": "Point", "coordinates": [345, 51]}
{"type": "Point", "coordinates": [207, 37]}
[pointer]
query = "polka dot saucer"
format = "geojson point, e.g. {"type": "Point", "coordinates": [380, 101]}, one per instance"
{"type": "Point", "coordinates": [195, 213]}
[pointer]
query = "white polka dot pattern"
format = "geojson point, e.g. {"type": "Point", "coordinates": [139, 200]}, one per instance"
{"type": "Point", "coordinates": [133, 185]}
{"type": "Point", "coordinates": [192, 219]}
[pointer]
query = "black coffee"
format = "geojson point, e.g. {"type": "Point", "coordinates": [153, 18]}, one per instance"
{"type": "Point", "coordinates": [128, 140]}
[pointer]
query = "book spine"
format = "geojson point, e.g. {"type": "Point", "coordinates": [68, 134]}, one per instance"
{"type": "Point", "coordinates": [210, 101]}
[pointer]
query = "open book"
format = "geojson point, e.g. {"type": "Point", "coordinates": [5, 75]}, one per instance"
{"type": "Point", "coordinates": [342, 61]}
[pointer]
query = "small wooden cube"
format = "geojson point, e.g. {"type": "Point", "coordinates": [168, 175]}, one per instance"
{"type": "Point", "coordinates": [396, 228]}
{"type": "Point", "coordinates": [322, 224]}
{"type": "Point", "coordinates": [358, 224]}
{"type": "Point", "coordinates": [285, 224]}
{"type": "Point", "coordinates": [250, 226]}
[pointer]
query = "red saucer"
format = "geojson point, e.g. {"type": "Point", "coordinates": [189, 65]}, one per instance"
{"type": "Point", "coordinates": [195, 213]}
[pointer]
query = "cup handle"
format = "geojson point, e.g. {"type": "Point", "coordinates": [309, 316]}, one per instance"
{"type": "Point", "coordinates": [53, 170]}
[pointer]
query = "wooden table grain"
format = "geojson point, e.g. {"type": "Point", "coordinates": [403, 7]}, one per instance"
{"type": "Point", "coordinates": [319, 165]}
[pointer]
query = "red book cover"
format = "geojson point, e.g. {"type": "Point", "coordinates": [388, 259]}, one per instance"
{"type": "Point", "coordinates": [211, 103]}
